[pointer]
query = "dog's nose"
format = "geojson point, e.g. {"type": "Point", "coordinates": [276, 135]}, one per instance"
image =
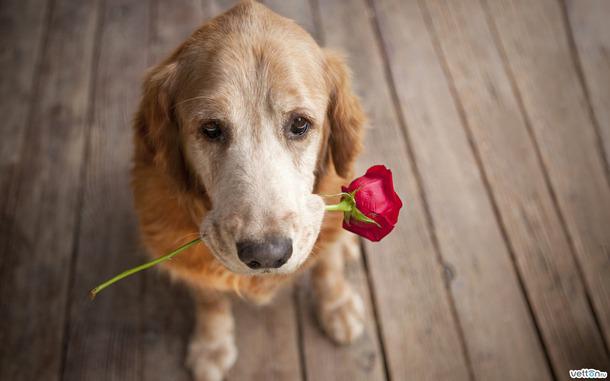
{"type": "Point", "coordinates": [269, 254]}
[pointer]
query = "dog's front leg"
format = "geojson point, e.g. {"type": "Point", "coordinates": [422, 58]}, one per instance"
{"type": "Point", "coordinates": [212, 349]}
{"type": "Point", "coordinates": [340, 309]}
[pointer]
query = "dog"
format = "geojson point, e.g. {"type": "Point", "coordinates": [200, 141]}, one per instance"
{"type": "Point", "coordinates": [238, 133]}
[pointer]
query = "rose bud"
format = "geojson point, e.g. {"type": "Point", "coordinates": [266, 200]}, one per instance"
{"type": "Point", "coordinates": [370, 204]}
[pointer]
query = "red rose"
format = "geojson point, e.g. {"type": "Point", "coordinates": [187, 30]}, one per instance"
{"type": "Point", "coordinates": [376, 204]}
{"type": "Point", "coordinates": [369, 205]}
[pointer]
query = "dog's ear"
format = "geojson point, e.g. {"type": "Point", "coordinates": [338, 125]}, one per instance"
{"type": "Point", "coordinates": [156, 125]}
{"type": "Point", "coordinates": [345, 115]}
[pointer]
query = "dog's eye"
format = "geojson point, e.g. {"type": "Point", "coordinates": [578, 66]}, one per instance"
{"type": "Point", "coordinates": [299, 126]}
{"type": "Point", "coordinates": [211, 130]}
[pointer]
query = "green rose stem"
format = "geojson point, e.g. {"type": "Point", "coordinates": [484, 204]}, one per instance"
{"type": "Point", "coordinates": [144, 266]}
{"type": "Point", "coordinates": [347, 206]}
{"type": "Point", "coordinates": [343, 206]}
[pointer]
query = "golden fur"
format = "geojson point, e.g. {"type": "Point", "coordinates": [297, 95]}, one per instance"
{"type": "Point", "coordinates": [171, 201]}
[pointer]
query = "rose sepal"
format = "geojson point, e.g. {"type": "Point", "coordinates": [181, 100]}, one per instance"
{"type": "Point", "coordinates": [347, 205]}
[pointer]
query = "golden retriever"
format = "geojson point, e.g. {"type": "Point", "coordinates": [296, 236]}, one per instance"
{"type": "Point", "coordinates": [237, 134]}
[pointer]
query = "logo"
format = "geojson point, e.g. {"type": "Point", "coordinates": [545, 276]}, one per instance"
{"type": "Point", "coordinates": [588, 373]}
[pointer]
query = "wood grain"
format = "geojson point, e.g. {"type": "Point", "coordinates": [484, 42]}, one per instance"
{"type": "Point", "coordinates": [46, 192]}
{"type": "Point", "coordinates": [267, 340]}
{"type": "Point", "coordinates": [105, 338]}
{"type": "Point", "coordinates": [468, 233]}
{"type": "Point", "coordinates": [299, 11]}
{"type": "Point", "coordinates": [361, 360]}
{"type": "Point", "coordinates": [504, 105]}
{"type": "Point", "coordinates": [168, 320]}
{"type": "Point", "coordinates": [533, 37]}
{"type": "Point", "coordinates": [532, 224]}
{"type": "Point", "coordinates": [420, 335]}
{"type": "Point", "coordinates": [590, 30]}
{"type": "Point", "coordinates": [213, 8]}
{"type": "Point", "coordinates": [23, 27]}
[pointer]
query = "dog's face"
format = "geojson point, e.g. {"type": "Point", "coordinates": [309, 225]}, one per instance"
{"type": "Point", "coordinates": [250, 107]}
{"type": "Point", "coordinates": [252, 128]}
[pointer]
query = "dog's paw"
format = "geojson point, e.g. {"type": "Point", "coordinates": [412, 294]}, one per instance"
{"type": "Point", "coordinates": [211, 361]}
{"type": "Point", "coordinates": [343, 318]}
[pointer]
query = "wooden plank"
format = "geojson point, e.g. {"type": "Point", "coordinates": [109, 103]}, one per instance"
{"type": "Point", "coordinates": [300, 11]}
{"type": "Point", "coordinates": [22, 29]}
{"type": "Point", "coordinates": [37, 259]}
{"type": "Point", "coordinates": [172, 23]}
{"type": "Point", "coordinates": [420, 334]}
{"type": "Point", "coordinates": [486, 289]}
{"type": "Point", "coordinates": [105, 337]}
{"type": "Point", "coordinates": [533, 37]}
{"type": "Point", "coordinates": [169, 314]}
{"type": "Point", "coordinates": [532, 224]}
{"type": "Point", "coordinates": [588, 21]}
{"type": "Point", "coordinates": [362, 360]}
{"type": "Point", "coordinates": [216, 7]}
{"type": "Point", "coordinates": [169, 318]}
{"type": "Point", "coordinates": [267, 341]}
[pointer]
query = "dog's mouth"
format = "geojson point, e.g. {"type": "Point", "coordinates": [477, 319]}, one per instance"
{"type": "Point", "coordinates": [227, 255]}
{"type": "Point", "coordinates": [264, 248]}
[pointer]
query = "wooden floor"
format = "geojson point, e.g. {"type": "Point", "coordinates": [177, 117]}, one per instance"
{"type": "Point", "coordinates": [494, 116]}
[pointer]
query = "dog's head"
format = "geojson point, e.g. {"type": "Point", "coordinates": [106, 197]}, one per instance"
{"type": "Point", "coordinates": [248, 113]}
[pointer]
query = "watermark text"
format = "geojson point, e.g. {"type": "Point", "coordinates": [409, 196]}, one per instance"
{"type": "Point", "coordinates": [588, 373]}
